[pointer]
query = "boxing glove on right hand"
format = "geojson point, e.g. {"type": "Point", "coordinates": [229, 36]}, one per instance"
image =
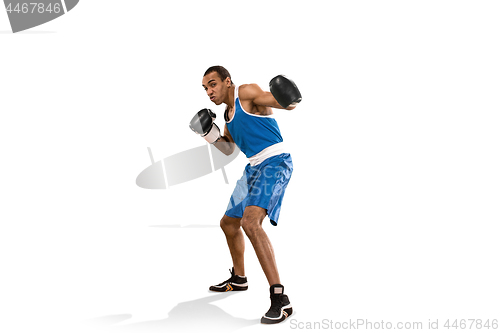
{"type": "Point", "coordinates": [203, 124]}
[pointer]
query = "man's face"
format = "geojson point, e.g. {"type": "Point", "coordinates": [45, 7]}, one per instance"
{"type": "Point", "coordinates": [216, 88]}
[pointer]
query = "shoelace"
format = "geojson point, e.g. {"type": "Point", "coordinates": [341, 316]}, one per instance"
{"type": "Point", "coordinates": [230, 279]}
{"type": "Point", "coordinates": [275, 303]}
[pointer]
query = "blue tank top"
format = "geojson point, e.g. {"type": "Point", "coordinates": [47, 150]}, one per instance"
{"type": "Point", "coordinates": [252, 133]}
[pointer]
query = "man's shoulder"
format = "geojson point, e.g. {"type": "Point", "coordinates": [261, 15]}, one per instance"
{"type": "Point", "coordinates": [248, 91]}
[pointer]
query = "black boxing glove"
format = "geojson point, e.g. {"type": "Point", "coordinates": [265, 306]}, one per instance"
{"type": "Point", "coordinates": [285, 91]}
{"type": "Point", "coordinates": [203, 124]}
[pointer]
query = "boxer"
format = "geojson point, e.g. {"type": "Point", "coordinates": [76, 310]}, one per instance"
{"type": "Point", "coordinates": [250, 125]}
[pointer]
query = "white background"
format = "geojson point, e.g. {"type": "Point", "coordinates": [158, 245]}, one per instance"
{"type": "Point", "coordinates": [392, 212]}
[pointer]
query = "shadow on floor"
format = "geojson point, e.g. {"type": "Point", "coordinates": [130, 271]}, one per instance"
{"type": "Point", "coordinates": [193, 316]}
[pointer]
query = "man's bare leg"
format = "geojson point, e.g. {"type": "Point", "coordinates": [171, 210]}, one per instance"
{"type": "Point", "coordinates": [252, 225]}
{"type": "Point", "coordinates": [235, 242]}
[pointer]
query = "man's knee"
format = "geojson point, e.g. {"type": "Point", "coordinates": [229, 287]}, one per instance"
{"type": "Point", "coordinates": [252, 220]}
{"type": "Point", "coordinates": [229, 224]}
{"type": "Point", "coordinates": [251, 226]}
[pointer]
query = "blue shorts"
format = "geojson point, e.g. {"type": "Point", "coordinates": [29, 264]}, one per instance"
{"type": "Point", "coordinates": [262, 185]}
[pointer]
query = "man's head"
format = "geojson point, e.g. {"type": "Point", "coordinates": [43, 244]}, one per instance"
{"type": "Point", "coordinates": [216, 82]}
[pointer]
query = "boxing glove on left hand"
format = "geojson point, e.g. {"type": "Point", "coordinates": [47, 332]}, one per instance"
{"type": "Point", "coordinates": [203, 124]}
{"type": "Point", "coordinates": [285, 91]}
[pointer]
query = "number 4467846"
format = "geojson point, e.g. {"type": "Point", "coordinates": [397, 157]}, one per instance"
{"type": "Point", "coordinates": [34, 7]}
{"type": "Point", "coordinates": [471, 324]}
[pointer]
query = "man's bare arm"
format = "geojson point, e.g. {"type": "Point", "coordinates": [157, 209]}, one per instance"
{"type": "Point", "coordinates": [260, 97]}
{"type": "Point", "coordinates": [225, 143]}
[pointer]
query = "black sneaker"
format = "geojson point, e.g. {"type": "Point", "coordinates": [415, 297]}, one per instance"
{"type": "Point", "coordinates": [234, 283]}
{"type": "Point", "coordinates": [280, 306]}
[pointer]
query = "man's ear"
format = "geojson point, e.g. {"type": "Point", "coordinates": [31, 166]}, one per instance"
{"type": "Point", "coordinates": [228, 82]}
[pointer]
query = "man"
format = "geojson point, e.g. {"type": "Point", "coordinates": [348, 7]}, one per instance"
{"type": "Point", "coordinates": [251, 126]}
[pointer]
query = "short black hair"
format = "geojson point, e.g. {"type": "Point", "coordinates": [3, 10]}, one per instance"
{"type": "Point", "coordinates": [223, 73]}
